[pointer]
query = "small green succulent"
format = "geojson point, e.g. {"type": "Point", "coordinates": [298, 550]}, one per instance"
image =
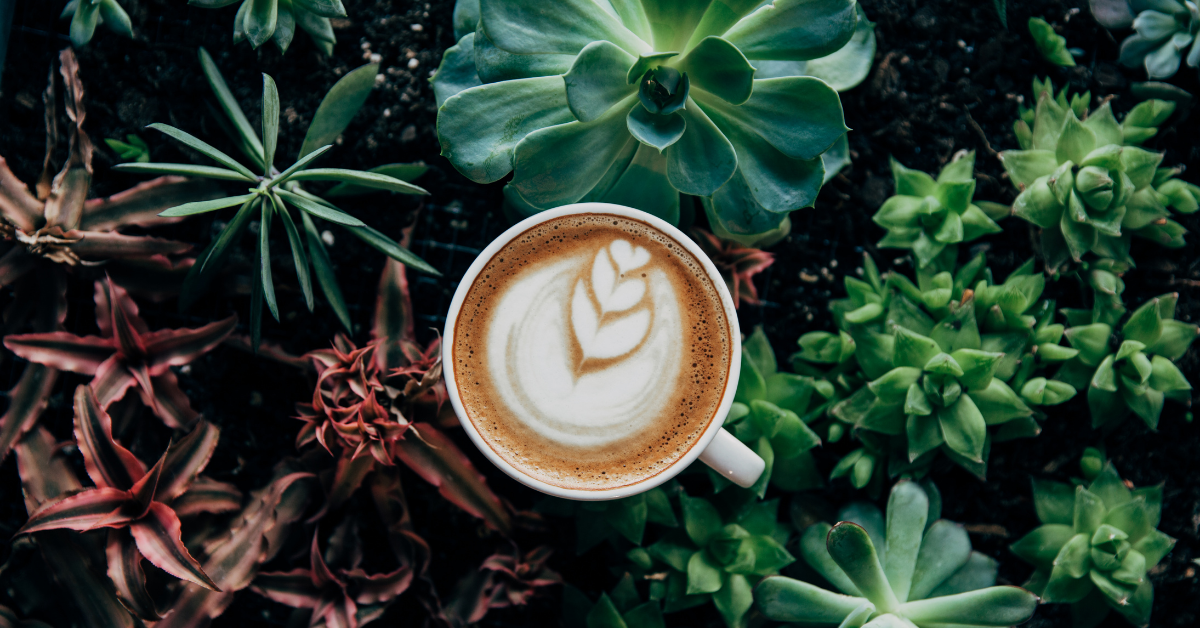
{"type": "Point", "coordinates": [927, 215]}
{"type": "Point", "coordinates": [1131, 371]}
{"type": "Point", "coordinates": [260, 21]}
{"type": "Point", "coordinates": [620, 608]}
{"type": "Point", "coordinates": [770, 413]}
{"type": "Point", "coordinates": [86, 15]}
{"type": "Point", "coordinates": [1050, 44]}
{"type": "Point", "coordinates": [915, 571]}
{"type": "Point", "coordinates": [134, 148]}
{"type": "Point", "coordinates": [612, 520]}
{"type": "Point", "coordinates": [640, 101]}
{"type": "Point", "coordinates": [1165, 34]}
{"type": "Point", "coordinates": [728, 543]}
{"type": "Point", "coordinates": [1095, 545]}
{"type": "Point", "coordinates": [1085, 186]}
{"type": "Point", "coordinates": [271, 193]}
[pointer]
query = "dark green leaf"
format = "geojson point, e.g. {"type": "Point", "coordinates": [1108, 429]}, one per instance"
{"type": "Point", "coordinates": [389, 247]}
{"type": "Point", "coordinates": [299, 258]}
{"type": "Point", "coordinates": [250, 144]}
{"type": "Point", "coordinates": [187, 170]}
{"type": "Point", "coordinates": [338, 107]}
{"type": "Point", "coordinates": [204, 148]}
{"type": "Point", "coordinates": [595, 82]}
{"type": "Point", "coordinates": [200, 207]}
{"type": "Point", "coordinates": [323, 269]}
{"type": "Point", "coordinates": [320, 210]}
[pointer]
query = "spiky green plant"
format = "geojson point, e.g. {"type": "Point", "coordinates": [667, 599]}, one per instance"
{"type": "Point", "coordinates": [1051, 45]}
{"type": "Point", "coordinates": [86, 15]}
{"type": "Point", "coordinates": [273, 194]}
{"type": "Point", "coordinates": [917, 570]}
{"type": "Point", "coordinates": [927, 215]}
{"type": "Point", "coordinates": [1085, 186]}
{"type": "Point", "coordinates": [260, 21]}
{"type": "Point", "coordinates": [1132, 371]}
{"type": "Point", "coordinates": [1095, 545]}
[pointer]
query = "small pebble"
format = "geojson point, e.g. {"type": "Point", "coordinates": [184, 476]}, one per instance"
{"type": "Point", "coordinates": [413, 63]}
{"type": "Point", "coordinates": [417, 28]}
{"type": "Point", "coordinates": [327, 237]}
{"type": "Point", "coordinates": [376, 57]}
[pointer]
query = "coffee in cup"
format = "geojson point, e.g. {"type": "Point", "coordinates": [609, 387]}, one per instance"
{"type": "Point", "coordinates": [592, 351]}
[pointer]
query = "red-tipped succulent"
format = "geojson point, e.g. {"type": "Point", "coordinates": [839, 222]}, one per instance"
{"type": "Point", "coordinates": [341, 598]}
{"type": "Point", "coordinates": [126, 354]}
{"type": "Point", "coordinates": [738, 264]}
{"type": "Point", "coordinates": [134, 503]}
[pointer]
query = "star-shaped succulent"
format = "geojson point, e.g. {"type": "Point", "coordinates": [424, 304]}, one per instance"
{"type": "Point", "coordinates": [738, 264]}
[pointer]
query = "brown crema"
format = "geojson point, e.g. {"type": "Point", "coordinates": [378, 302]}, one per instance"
{"type": "Point", "coordinates": [701, 351]}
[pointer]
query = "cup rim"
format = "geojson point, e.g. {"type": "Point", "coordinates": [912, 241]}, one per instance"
{"type": "Point", "coordinates": [710, 432]}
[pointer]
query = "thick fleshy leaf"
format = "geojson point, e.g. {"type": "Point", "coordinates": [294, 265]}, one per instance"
{"type": "Point", "coordinates": [851, 548]}
{"type": "Point", "coordinates": [998, 403]}
{"type": "Point", "coordinates": [440, 462]}
{"type": "Point", "coordinates": [485, 153]}
{"type": "Point", "coordinates": [299, 257]}
{"type": "Point", "coordinates": [1042, 545]}
{"type": "Point", "coordinates": [700, 519]}
{"type": "Point", "coordinates": [850, 65]}
{"type": "Point", "coordinates": [656, 131]}
{"type": "Point", "coordinates": [703, 574]}
{"type": "Point", "coordinates": [816, 554]}
{"type": "Point", "coordinates": [260, 20]}
{"type": "Point", "coordinates": [703, 159]}
{"type": "Point", "coordinates": [945, 549]}
{"type": "Point", "coordinates": [1054, 502]}
{"type": "Point", "coordinates": [734, 599]}
{"type": "Point", "coordinates": [785, 599]}
{"type": "Point", "coordinates": [595, 82]}
{"type": "Point", "coordinates": [456, 71]}
{"type": "Point", "coordinates": [62, 350]}
{"type": "Point", "coordinates": [800, 117]}
{"type": "Point", "coordinates": [964, 428]}
{"type": "Point", "coordinates": [176, 347]}
{"type": "Point", "coordinates": [125, 572]}
{"type": "Point", "coordinates": [718, 67]}
{"type": "Point", "coordinates": [532, 27]}
{"type": "Point", "coordinates": [107, 462]}
{"type": "Point", "coordinates": [795, 30]}
{"type": "Point", "coordinates": [158, 539]}
{"type": "Point", "coordinates": [994, 606]}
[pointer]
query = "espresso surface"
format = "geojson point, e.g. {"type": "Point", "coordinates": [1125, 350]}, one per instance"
{"type": "Point", "coordinates": [592, 352]}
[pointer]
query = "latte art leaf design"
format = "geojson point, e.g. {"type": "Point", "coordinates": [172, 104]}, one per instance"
{"type": "Point", "coordinates": [600, 328]}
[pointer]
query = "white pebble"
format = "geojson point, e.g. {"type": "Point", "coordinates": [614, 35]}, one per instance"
{"type": "Point", "coordinates": [327, 237]}
{"type": "Point", "coordinates": [376, 57]}
{"type": "Point", "coordinates": [413, 63]}
{"type": "Point", "coordinates": [417, 27]}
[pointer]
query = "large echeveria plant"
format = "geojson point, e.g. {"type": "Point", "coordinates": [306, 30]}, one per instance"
{"type": "Point", "coordinates": [1094, 547]}
{"type": "Point", "coordinates": [635, 102]}
{"type": "Point", "coordinates": [915, 571]}
{"type": "Point", "coordinates": [1084, 183]}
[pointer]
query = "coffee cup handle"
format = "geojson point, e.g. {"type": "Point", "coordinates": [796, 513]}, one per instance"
{"type": "Point", "coordinates": [733, 459]}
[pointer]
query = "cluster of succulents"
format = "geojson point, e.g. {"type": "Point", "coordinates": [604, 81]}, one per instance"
{"type": "Point", "coordinates": [260, 21]}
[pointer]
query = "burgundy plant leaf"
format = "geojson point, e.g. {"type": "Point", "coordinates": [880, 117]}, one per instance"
{"type": "Point", "coordinates": [45, 472]}
{"type": "Point", "coordinates": [169, 401]}
{"type": "Point", "coordinates": [379, 588]}
{"type": "Point", "coordinates": [110, 244]}
{"type": "Point", "coordinates": [320, 573]}
{"type": "Point", "coordinates": [107, 462]}
{"type": "Point", "coordinates": [207, 495]}
{"type": "Point", "coordinates": [26, 402]}
{"type": "Point", "coordinates": [185, 459]}
{"type": "Point", "coordinates": [471, 599]}
{"type": "Point", "coordinates": [125, 572]}
{"type": "Point", "coordinates": [294, 588]}
{"type": "Point", "coordinates": [81, 512]}
{"type": "Point", "coordinates": [15, 264]}
{"type": "Point", "coordinates": [388, 495]}
{"type": "Point", "coordinates": [142, 493]}
{"type": "Point", "coordinates": [341, 613]}
{"type": "Point", "coordinates": [393, 324]}
{"type": "Point", "coordinates": [17, 205]}
{"type": "Point", "coordinates": [347, 478]}
{"type": "Point", "coordinates": [64, 207]}
{"type": "Point", "coordinates": [108, 295]}
{"type": "Point", "coordinates": [141, 204]}
{"type": "Point", "coordinates": [62, 350]}
{"type": "Point", "coordinates": [738, 264]}
{"type": "Point", "coordinates": [111, 381]}
{"type": "Point", "coordinates": [176, 347]}
{"type": "Point", "coordinates": [268, 350]}
{"type": "Point", "coordinates": [89, 592]}
{"type": "Point", "coordinates": [440, 462]}
{"type": "Point", "coordinates": [158, 539]}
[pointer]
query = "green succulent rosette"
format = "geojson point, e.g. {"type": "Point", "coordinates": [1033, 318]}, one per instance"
{"type": "Point", "coordinates": [1165, 35]}
{"type": "Point", "coordinates": [926, 215]}
{"type": "Point", "coordinates": [1086, 187]}
{"type": "Point", "coordinates": [86, 15]}
{"type": "Point", "coordinates": [262, 21]}
{"type": "Point", "coordinates": [1095, 546]}
{"type": "Point", "coordinates": [910, 569]}
{"type": "Point", "coordinates": [1132, 371]}
{"type": "Point", "coordinates": [635, 102]}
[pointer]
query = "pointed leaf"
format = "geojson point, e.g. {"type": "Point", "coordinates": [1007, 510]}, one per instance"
{"type": "Point", "coordinates": [250, 144]}
{"type": "Point", "coordinates": [158, 538]}
{"type": "Point", "coordinates": [62, 350]}
{"type": "Point", "coordinates": [26, 402]}
{"type": "Point", "coordinates": [439, 461]}
{"type": "Point", "coordinates": [328, 212]}
{"type": "Point", "coordinates": [125, 572]}
{"type": "Point", "coordinates": [81, 511]}
{"type": "Point", "coordinates": [107, 462]}
{"type": "Point", "coordinates": [205, 148]}
{"type": "Point", "coordinates": [795, 30]}
{"type": "Point", "coordinates": [299, 258]}
{"type": "Point", "coordinates": [338, 107]}
{"type": "Point", "coordinates": [785, 599]}
{"type": "Point", "coordinates": [176, 347]}
{"type": "Point", "coordinates": [358, 178]}
{"type": "Point", "coordinates": [851, 548]}
{"type": "Point", "coordinates": [323, 270]}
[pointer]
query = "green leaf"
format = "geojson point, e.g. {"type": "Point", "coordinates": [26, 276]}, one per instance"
{"type": "Point", "coordinates": [1026, 166]}
{"type": "Point", "coordinates": [1144, 325]}
{"type": "Point", "coordinates": [1041, 546]}
{"type": "Point", "coordinates": [566, 27]}
{"type": "Point", "coordinates": [628, 516]}
{"type": "Point", "coordinates": [323, 269]}
{"type": "Point", "coordinates": [204, 148]}
{"type": "Point", "coordinates": [260, 21]}
{"type": "Point", "coordinates": [270, 122]}
{"type": "Point", "coordinates": [1175, 339]}
{"type": "Point", "coordinates": [250, 144]}
{"type": "Point", "coordinates": [1166, 377]}
{"type": "Point", "coordinates": [200, 207]}
{"type": "Point", "coordinates": [700, 519]}
{"type": "Point", "coordinates": [457, 71]}
{"type": "Point", "coordinates": [655, 130]}
{"type": "Point", "coordinates": [704, 575]}
{"type": "Point", "coordinates": [998, 403]}
{"type": "Point", "coordinates": [338, 108]}
{"type": "Point", "coordinates": [647, 615]}
{"type": "Point", "coordinates": [605, 615]}
{"type": "Point", "coordinates": [701, 161]}
{"type": "Point", "coordinates": [1043, 392]}
{"type": "Point", "coordinates": [751, 384]}
{"type": "Point", "coordinates": [799, 116]}
{"type": "Point", "coordinates": [403, 172]}
{"type": "Point", "coordinates": [1092, 341]}
{"type": "Point", "coordinates": [733, 599]}
{"type": "Point", "coordinates": [83, 23]}
{"type": "Point", "coordinates": [795, 30]}
{"type": "Point", "coordinates": [814, 552]}
{"type": "Point", "coordinates": [299, 258]}
{"type": "Point", "coordinates": [210, 262]}
{"type": "Point", "coordinates": [187, 170]}
{"type": "Point", "coordinates": [785, 599]}
{"type": "Point", "coordinates": [851, 548]}
{"type": "Point", "coordinates": [893, 386]}
{"type": "Point", "coordinates": [323, 8]}
{"type": "Point", "coordinates": [998, 606]}
{"type": "Point", "coordinates": [945, 549]}
{"type": "Point", "coordinates": [299, 166]}
{"type": "Point", "coordinates": [264, 257]}
{"type": "Point", "coordinates": [320, 210]}
{"type": "Point", "coordinates": [392, 249]}
{"type": "Point", "coordinates": [850, 65]}
{"type": "Point", "coordinates": [718, 67]}
{"type": "Point", "coordinates": [963, 428]}
{"type": "Point", "coordinates": [360, 179]}
{"type": "Point", "coordinates": [913, 350]}
{"type": "Point", "coordinates": [595, 81]}
{"type": "Point", "coordinates": [978, 367]}
{"type": "Point", "coordinates": [907, 510]}
{"type": "Point", "coordinates": [1075, 142]}
{"type": "Point", "coordinates": [1051, 45]}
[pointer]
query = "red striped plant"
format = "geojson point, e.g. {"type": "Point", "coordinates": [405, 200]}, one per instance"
{"type": "Point", "coordinates": [506, 578]}
{"type": "Point", "coordinates": [738, 264]}
{"type": "Point", "coordinates": [133, 503]}
{"type": "Point", "coordinates": [126, 354]}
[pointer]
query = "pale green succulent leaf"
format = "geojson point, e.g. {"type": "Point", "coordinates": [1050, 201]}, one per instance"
{"type": "Point", "coordinates": [851, 548]}
{"type": "Point", "coordinates": [795, 30]}
{"type": "Point", "coordinates": [531, 27]}
{"type": "Point", "coordinates": [964, 428]}
{"type": "Point", "coordinates": [993, 606]}
{"type": "Point", "coordinates": [704, 574]}
{"type": "Point", "coordinates": [1041, 546]}
{"type": "Point", "coordinates": [718, 67]}
{"type": "Point", "coordinates": [785, 599]}
{"type": "Point", "coordinates": [595, 81]}
{"type": "Point", "coordinates": [999, 403]}
{"type": "Point", "coordinates": [907, 509]}
{"type": "Point", "coordinates": [1026, 166]}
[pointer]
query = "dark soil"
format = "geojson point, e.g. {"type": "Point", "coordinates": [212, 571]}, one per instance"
{"type": "Point", "coordinates": [947, 76]}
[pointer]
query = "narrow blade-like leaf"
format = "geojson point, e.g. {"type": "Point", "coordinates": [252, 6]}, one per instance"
{"type": "Point", "coordinates": [187, 170]}
{"type": "Point", "coordinates": [338, 107]}
{"type": "Point", "coordinates": [440, 462]}
{"type": "Point", "coordinates": [185, 460]}
{"type": "Point", "coordinates": [323, 269]}
{"type": "Point", "coordinates": [404, 172]}
{"type": "Point", "coordinates": [176, 347]}
{"type": "Point", "coordinates": [26, 402]}
{"type": "Point", "coordinates": [294, 588]}
{"type": "Point", "coordinates": [320, 210]}
{"type": "Point", "coordinates": [270, 122]}
{"type": "Point", "coordinates": [388, 247]}
{"type": "Point", "coordinates": [207, 495]}
{"type": "Point", "coordinates": [251, 145]}
{"type": "Point", "coordinates": [81, 511]}
{"type": "Point", "coordinates": [300, 165]}
{"type": "Point", "coordinates": [359, 178]}
{"type": "Point", "coordinates": [200, 207]}
{"type": "Point", "coordinates": [158, 538]}
{"type": "Point", "coordinates": [299, 258]}
{"type": "Point", "coordinates": [141, 204]}
{"type": "Point", "coordinates": [213, 258]}
{"type": "Point", "coordinates": [61, 350]}
{"type": "Point", "coordinates": [203, 147]}
{"type": "Point", "coordinates": [264, 258]}
{"type": "Point", "coordinates": [125, 572]}
{"type": "Point", "coordinates": [107, 462]}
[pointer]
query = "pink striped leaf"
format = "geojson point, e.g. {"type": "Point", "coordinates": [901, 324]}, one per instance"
{"type": "Point", "coordinates": [168, 401]}
{"type": "Point", "coordinates": [107, 462]}
{"type": "Point", "coordinates": [143, 491]}
{"type": "Point", "coordinates": [185, 459]}
{"type": "Point", "coordinates": [45, 472]}
{"type": "Point", "coordinates": [125, 572]}
{"type": "Point", "coordinates": [378, 588]}
{"type": "Point", "coordinates": [158, 538]}
{"type": "Point", "coordinates": [111, 381]}
{"type": "Point", "coordinates": [103, 245]}
{"type": "Point", "coordinates": [433, 456]}
{"type": "Point", "coordinates": [62, 350]}
{"type": "Point", "coordinates": [26, 402]}
{"type": "Point", "coordinates": [109, 295]}
{"type": "Point", "coordinates": [207, 495]}
{"type": "Point", "coordinates": [176, 347]}
{"type": "Point", "coordinates": [81, 511]}
{"type": "Point", "coordinates": [141, 205]}
{"type": "Point", "coordinates": [294, 588]}
{"type": "Point", "coordinates": [17, 204]}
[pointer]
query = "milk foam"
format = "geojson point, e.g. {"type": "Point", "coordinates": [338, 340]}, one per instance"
{"type": "Point", "coordinates": [585, 356]}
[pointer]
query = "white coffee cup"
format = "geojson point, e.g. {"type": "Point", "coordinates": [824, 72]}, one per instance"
{"type": "Point", "coordinates": [716, 447]}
